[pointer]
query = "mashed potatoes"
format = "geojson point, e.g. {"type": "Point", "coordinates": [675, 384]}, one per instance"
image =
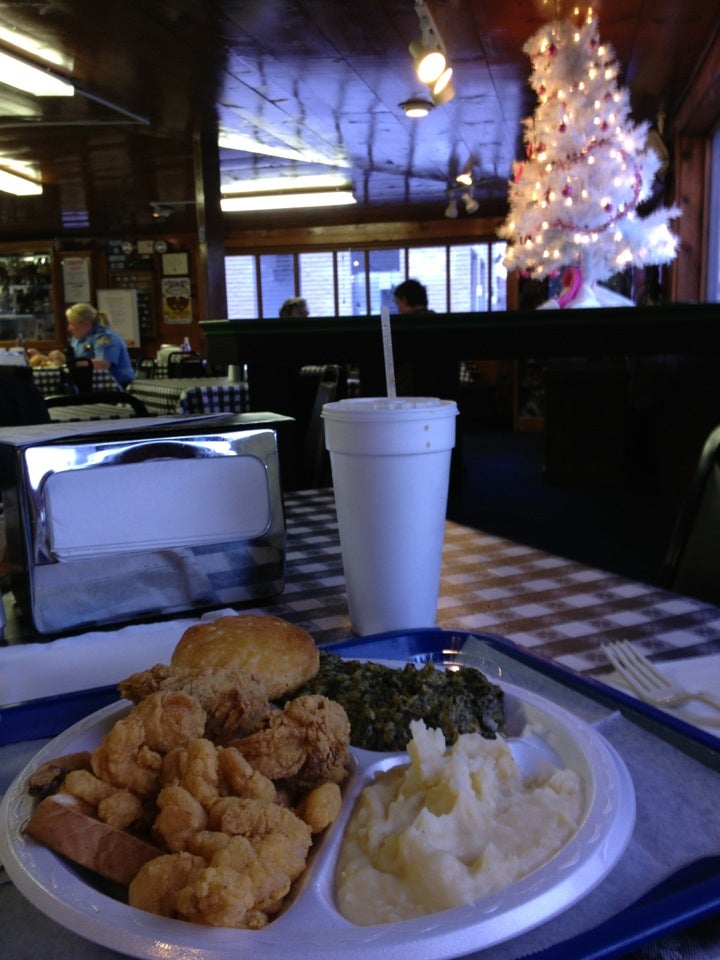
{"type": "Point", "coordinates": [453, 825]}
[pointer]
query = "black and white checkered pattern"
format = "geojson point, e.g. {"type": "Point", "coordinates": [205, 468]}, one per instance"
{"type": "Point", "coordinates": [558, 608]}
{"type": "Point", "coordinates": [52, 380]}
{"type": "Point", "coordinates": [185, 396]}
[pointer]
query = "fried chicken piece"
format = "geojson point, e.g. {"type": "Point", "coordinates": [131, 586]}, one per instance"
{"type": "Point", "coordinates": [235, 700]}
{"type": "Point", "coordinates": [49, 776]}
{"type": "Point", "coordinates": [304, 745]}
{"type": "Point", "coordinates": [130, 754]}
{"type": "Point", "coordinates": [320, 807]}
{"type": "Point", "coordinates": [155, 887]}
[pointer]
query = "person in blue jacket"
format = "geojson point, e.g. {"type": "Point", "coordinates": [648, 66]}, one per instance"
{"type": "Point", "coordinates": [92, 339]}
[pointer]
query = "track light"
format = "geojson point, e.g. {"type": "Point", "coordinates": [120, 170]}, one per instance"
{"type": "Point", "coordinates": [161, 211]}
{"type": "Point", "coordinates": [451, 210]}
{"type": "Point", "coordinates": [417, 107]}
{"type": "Point", "coordinates": [465, 178]}
{"type": "Point", "coordinates": [471, 204]}
{"type": "Point", "coordinates": [429, 61]}
{"type": "Point", "coordinates": [429, 58]}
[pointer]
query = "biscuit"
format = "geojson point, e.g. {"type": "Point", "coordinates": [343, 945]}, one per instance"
{"type": "Point", "coordinates": [282, 655]}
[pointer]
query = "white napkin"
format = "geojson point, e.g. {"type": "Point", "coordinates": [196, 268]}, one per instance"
{"type": "Point", "coordinates": [695, 673]}
{"type": "Point", "coordinates": [97, 659]}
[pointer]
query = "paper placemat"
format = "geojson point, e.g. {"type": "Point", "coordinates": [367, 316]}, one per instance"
{"type": "Point", "coordinates": [97, 659]}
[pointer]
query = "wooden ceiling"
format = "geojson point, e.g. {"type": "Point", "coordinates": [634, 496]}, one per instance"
{"type": "Point", "coordinates": [319, 81]}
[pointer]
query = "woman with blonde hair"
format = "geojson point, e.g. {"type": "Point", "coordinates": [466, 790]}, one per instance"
{"type": "Point", "coordinates": [92, 339]}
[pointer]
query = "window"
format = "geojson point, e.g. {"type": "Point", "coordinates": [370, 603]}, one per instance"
{"type": "Point", "coordinates": [460, 278]}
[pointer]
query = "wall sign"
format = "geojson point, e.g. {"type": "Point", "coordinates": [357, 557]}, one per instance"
{"type": "Point", "coordinates": [176, 301]}
{"type": "Point", "coordinates": [76, 279]}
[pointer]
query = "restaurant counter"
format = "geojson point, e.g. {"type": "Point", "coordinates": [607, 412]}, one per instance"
{"type": "Point", "coordinates": [542, 621]}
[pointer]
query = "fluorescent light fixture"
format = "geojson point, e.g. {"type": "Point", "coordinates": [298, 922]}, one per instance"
{"type": "Point", "coordinates": [34, 46]}
{"type": "Point", "coordinates": [318, 181]}
{"type": "Point", "coordinates": [19, 186]}
{"type": "Point", "coordinates": [290, 200]}
{"type": "Point", "coordinates": [244, 143]}
{"type": "Point", "coordinates": [41, 83]}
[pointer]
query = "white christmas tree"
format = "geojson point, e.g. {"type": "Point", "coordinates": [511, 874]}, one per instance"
{"type": "Point", "coordinates": [574, 200]}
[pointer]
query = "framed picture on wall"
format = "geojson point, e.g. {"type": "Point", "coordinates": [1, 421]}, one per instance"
{"type": "Point", "coordinates": [176, 300]}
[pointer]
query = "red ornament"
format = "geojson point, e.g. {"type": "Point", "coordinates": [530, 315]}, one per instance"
{"type": "Point", "coordinates": [518, 172]}
{"type": "Point", "coordinates": [563, 127]}
{"type": "Point", "coordinates": [552, 50]}
{"type": "Point", "coordinates": [567, 190]}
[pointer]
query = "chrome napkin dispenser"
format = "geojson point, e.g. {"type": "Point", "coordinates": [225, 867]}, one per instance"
{"type": "Point", "coordinates": [108, 525]}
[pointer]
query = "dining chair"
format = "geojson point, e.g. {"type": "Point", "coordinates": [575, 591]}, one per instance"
{"type": "Point", "coordinates": [181, 364]}
{"type": "Point", "coordinates": [316, 461]}
{"type": "Point", "coordinates": [80, 375]}
{"type": "Point", "coordinates": [145, 369]}
{"type": "Point", "coordinates": [99, 397]}
{"type": "Point", "coordinates": [692, 561]}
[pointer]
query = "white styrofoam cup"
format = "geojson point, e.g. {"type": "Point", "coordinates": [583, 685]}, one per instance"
{"type": "Point", "coordinates": [390, 460]}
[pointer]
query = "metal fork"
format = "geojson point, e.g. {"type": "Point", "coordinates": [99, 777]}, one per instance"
{"type": "Point", "coordinates": [648, 683]}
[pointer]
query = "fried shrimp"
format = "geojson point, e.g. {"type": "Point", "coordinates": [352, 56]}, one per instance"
{"type": "Point", "coordinates": [130, 754]}
{"type": "Point", "coordinates": [239, 779]}
{"type": "Point", "coordinates": [234, 700]}
{"type": "Point", "coordinates": [181, 815]}
{"type": "Point", "coordinates": [307, 744]}
{"type": "Point", "coordinates": [115, 806]}
{"type": "Point", "coordinates": [156, 886]}
{"type": "Point", "coordinates": [320, 807]}
{"type": "Point", "coordinates": [195, 767]}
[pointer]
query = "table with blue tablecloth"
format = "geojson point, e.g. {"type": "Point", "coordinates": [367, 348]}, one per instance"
{"type": "Point", "coordinates": [192, 395]}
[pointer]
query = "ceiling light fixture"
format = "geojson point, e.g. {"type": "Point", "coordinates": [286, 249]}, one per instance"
{"type": "Point", "coordinates": [35, 80]}
{"type": "Point", "coordinates": [161, 211]}
{"type": "Point", "coordinates": [417, 107]}
{"type": "Point", "coordinates": [471, 204]}
{"type": "Point", "coordinates": [288, 200]}
{"type": "Point", "coordinates": [465, 178]}
{"type": "Point", "coordinates": [451, 210]}
{"type": "Point", "coordinates": [429, 57]}
{"type": "Point", "coordinates": [19, 186]}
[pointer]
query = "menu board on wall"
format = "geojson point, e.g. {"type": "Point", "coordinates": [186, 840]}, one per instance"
{"type": "Point", "coordinates": [122, 308]}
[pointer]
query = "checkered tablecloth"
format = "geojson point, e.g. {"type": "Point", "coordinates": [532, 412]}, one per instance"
{"type": "Point", "coordinates": [558, 608]}
{"type": "Point", "coordinates": [185, 396]}
{"type": "Point", "coordinates": [52, 380]}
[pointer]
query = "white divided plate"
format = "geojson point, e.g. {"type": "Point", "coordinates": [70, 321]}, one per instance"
{"type": "Point", "coordinates": [310, 927]}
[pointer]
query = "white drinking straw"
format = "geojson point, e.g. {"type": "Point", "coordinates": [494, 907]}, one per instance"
{"type": "Point", "coordinates": [388, 352]}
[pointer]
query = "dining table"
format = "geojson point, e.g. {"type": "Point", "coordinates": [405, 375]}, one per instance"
{"type": "Point", "coordinates": [540, 622]}
{"type": "Point", "coordinates": [191, 395]}
{"type": "Point", "coordinates": [53, 380]}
